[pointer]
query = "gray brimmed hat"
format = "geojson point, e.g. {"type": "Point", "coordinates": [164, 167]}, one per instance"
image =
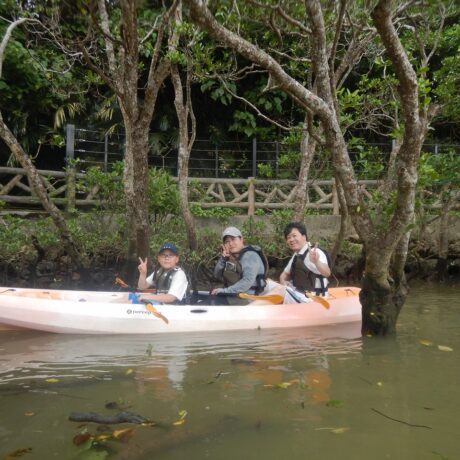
{"type": "Point", "coordinates": [231, 231]}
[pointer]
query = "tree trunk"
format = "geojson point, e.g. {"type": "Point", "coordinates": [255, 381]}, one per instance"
{"type": "Point", "coordinates": [40, 190]}
{"type": "Point", "coordinates": [307, 150]}
{"type": "Point", "coordinates": [343, 222]}
{"type": "Point", "coordinates": [183, 158]}
{"type": "Point", "coordinates": [136, 186]}
{"type": "Point", "coordinates": [184, 111]}
{"type": "Point", "coordinates": [121, 73]}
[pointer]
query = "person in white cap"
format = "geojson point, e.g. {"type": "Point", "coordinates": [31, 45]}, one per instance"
{"type": "Point", "coordinates": [168, 278]}
{"type": "Point", "coordinates": [242, 268]}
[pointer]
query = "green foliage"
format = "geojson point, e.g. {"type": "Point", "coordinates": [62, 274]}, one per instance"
{"type": "Point", "coordinates": [447, 76]}
{"type": "Point", "coordinates": [39, 88]}
{"type": "Point", "coordinates": [163, 193]}
{"type": "Point", "coordinates": [279, 218]}
{"type": "Point", "coordinates": [351, 250]}
{"type": "Point", "coordinates": [219, 213]}
{"type": "Point", "coordinates": [244, 122]}
{"type": "Point", "coordinates": [96, 234]}
{"type": "Point", "coordinates": [289, 163]}
{"type": "Point", "coordinates": [265, 170]}
{"type": "Point", "coordinates": [218, 91]}
{"type": "Point", "coordinates": [176, 57]}
{"type": "Point", "coordinates": [439, 178]}
{"type": "Point", "coordinates": [368, 163]}
{"type": "Point", "coordinates": [109, 185]}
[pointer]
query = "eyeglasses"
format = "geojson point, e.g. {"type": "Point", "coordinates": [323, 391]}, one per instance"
{"type": "Point", "coordinates": [167, 256]}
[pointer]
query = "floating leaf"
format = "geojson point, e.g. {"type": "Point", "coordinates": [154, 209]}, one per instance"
{"type": "Point", "coordinates": [81, 438]}
{"type": "Point", "coordinates": [179, 422]}
{"type": "Point", "coordinates": [284, 385]}
{"type": "Point", "coordinates": [379, 384]}
{"type": "Point", "coordinates": [103, 437]}
{"type": "Point", "coordinates": [334, 403]}
{"type": "Point", "coordinates": [123, 435]}
{"type": "Point", "coordinates": [52, 380]}
{"type": "Point", "coordinates": [426, 343]}
{"type": "Point", "coordinates": [29, 414]}
{"type": "Point", "coordinates": [341, 430]}
{"type": "Point", "coordinates": [444, 348]}
{"type": "Point", "coordinates": [129, 372]}
{"type": "Point", "coordinates": [182, 415]}
{"type": "Point", "coordinates": [18, 453]}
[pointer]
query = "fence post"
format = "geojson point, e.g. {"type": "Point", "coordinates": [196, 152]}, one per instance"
{"type": "Point", "coordinates": [254, 157]}
{"type": "Point", "coordinates": [70, 168]}
{"type": "Point", "coordinates": [216, 162]}
{"type": "Point", "coordinates": [251, 196]}
{"type": "Point", "coordinates": [277, 153]}
{"type": "Point", "coordinates": [106, 151]}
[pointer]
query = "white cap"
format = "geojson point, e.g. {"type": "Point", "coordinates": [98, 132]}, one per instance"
{"type": "Point", "coordinates": [231, 231]}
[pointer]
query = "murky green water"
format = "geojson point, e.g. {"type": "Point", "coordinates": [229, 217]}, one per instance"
{"type": "Point", "coordinates": [300, 394]}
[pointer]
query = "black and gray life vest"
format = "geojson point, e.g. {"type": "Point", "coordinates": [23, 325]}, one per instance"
{"type": "Point", "coordinates": [162, 280]}
{"type": "Point", "coordinates": [304, 279]}
{"type": "Point", "coordinates": [233, 271]}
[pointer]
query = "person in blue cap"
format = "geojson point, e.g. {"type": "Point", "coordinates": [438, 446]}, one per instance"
{"type": "Point", "coordinates": [169, 280]}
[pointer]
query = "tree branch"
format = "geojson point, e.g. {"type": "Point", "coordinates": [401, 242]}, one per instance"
{"type": "Point", "coordinates": [6, 38]}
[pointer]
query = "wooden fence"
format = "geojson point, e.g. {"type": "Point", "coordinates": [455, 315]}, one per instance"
{"type": "Point", "coordinates": [68, 190]}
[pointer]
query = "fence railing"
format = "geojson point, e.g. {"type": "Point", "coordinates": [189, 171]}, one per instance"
{"type": "Point", "coordinates": [229, 159]}
{"type": "Point", "coordinates": [69, 190]}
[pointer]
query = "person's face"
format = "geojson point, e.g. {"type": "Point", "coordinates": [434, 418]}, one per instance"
{"type": "Point", "coordinates": [234, 244]}
{"type": "Point", "coordinates": [295, 240]}
{"type": "Point", "coordinates": [167, 259]}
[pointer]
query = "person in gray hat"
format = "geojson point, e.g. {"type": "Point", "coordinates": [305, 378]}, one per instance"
{"type": "Point", "coordinates": [242, 268]}
{"type": "Point", "coordinates": [168, 278]}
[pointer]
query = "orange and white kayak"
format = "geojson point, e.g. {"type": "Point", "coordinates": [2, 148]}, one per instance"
{"type": "Point", "coordinates": [93, 312]}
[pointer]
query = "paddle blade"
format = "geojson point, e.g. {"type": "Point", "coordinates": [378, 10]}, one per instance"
{"type": "Point", "coordinates": [318, 299]}
{"type": "Point", "coordinates": [156, 313]}
{"type": "Point", "coordinates": [121, 283]}
{"type": "Point", "coordinates": [271, 298]}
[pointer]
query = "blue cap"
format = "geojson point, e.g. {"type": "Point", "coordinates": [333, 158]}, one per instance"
{"type": "Point", "coordinates": [169, 246]}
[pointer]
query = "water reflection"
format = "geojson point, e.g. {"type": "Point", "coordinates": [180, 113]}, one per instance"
{"type": "Point", "coordinates": [40, 355]}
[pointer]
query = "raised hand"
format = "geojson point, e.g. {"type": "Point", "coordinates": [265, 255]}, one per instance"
{"type": "Point", "coordinates": [142, 267]}
{"type": "Point", "coordinates": [225, 250]}
{"type": "Point", "coordinates": [314, 254]}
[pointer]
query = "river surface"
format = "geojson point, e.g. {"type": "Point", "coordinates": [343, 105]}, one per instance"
{"type": "Point", "coordinates": [307, 393]}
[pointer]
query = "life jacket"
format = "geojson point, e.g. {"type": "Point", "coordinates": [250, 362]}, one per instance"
{"type": "Point", "coordinates": [162, 280]}
{"type": "Point", "coordinates": [233, 270]}
{"type": "Point", "coordinates": [304, 279]}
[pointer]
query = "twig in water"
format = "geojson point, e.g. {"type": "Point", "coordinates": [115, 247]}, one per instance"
{"type": "Point", "coordinates": [400, 421]}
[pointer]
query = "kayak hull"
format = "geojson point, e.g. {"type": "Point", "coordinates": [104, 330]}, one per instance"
{"type": "Point", "coordinates": [91, 312]}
